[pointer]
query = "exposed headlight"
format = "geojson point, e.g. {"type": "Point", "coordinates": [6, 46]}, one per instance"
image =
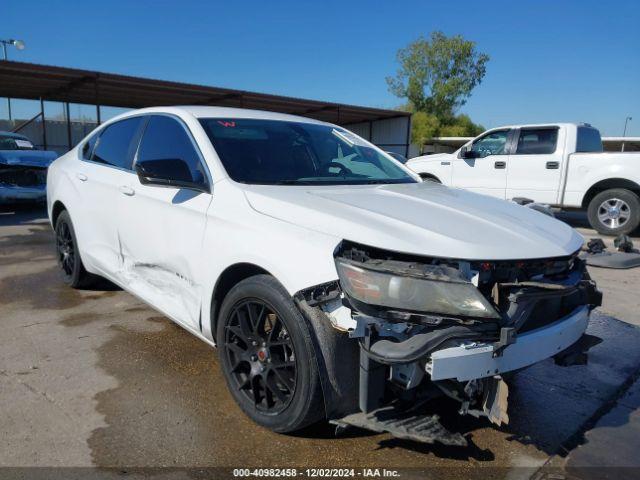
{"type": "Point", "coordinates": [386, 289]}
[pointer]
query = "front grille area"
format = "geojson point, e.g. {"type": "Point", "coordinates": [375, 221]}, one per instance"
{"type": "Point", "coordinates": [18, 176]}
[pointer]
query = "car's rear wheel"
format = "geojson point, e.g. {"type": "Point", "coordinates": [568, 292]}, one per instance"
{"type": "Point", "coordinates": [614, 211]}
{"type": "Point", "coordinates": [68, 256]}
{"type": "Point", "coordinates": [268, 357]}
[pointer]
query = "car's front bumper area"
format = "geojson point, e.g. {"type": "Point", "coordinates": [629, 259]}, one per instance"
{"type": "Point", "coordinates": [473, 360]}
{"type": "Point", "coordinates": [15, 194]}
{"type": "Point", "coordinates": [22, 183]}
{"type": "Point", "coordinates": [541, 306]}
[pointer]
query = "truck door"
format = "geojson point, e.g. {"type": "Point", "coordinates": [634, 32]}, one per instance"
{"type": "Point", "coordinates": [535, 164]}
{"type": "Point", "coordinates": [486, 174]}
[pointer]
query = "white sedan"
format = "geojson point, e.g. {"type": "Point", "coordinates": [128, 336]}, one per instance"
{"type": "Point", "coordinates": [334, 282]}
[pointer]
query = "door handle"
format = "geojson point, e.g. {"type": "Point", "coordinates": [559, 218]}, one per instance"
{"type": "Point", "coordinates": [82, 177]}
{"type": "Point", "coordinates": [127, 190]}
{"type": "Point", "coordinates": [500, 165]}
{"type": "Point", "coordinates": [553, 165]}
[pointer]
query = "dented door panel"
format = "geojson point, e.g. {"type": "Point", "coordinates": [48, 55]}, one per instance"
{"type": "Point", "coordinates": [160, 244]}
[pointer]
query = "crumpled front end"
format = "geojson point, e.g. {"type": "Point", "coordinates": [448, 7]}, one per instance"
{"type": "Point", "coordinates": [433, 325]}
{"type": "Point", "coordinates": [20, 183]}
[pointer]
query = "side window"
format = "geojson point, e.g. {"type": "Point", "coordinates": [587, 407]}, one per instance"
{"type": "Point", "coordinates": [589, 140]}
{"type": "Point", "coordinates": [87, 148]}
{"type": "Point", "coordinates": [166, 139]}
{"type": "Point", "coordinates": [537, 141]}
{"type": "Point", "coordinates": [116, 144]}
{"type": "Point", "coordinates": [493, 143]}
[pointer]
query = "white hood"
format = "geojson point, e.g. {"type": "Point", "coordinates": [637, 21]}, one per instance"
{"type": "Point", "coordinates": [435, 157]}
{"type": "Point", "coordinates": [420, 218]}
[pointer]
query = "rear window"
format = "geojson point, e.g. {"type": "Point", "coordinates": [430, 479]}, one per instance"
{"type": "Point", "coordinates": [115, 146]}
{"type": "Point", "coordinates": [537, 141]}
{"type": "Point", "coordinates": [87, 148]}
{"type": "Point", "coordinates": [588, 140]}
{"type": "Point", "coordinates": [15, 143]}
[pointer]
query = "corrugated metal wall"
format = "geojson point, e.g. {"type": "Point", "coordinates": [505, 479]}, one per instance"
{"type": "Point", "coordinates": [391, 134]}
{"type": "Point", "coordinates": [57, 133]}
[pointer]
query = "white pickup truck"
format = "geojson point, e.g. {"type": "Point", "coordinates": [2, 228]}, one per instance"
{"type": "Point", "coordinates": [559, 164]}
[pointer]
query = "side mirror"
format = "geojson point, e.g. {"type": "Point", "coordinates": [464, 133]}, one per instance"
{"type": "Point", "coordinates": [467, 153]}
{"type": "Point", "coordinates": [168, 172]}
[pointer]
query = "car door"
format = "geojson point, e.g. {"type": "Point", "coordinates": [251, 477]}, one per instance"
{"type": "Point", "coordinates": [104, 169]}
{"type": "Point", "coordinates": [487, 173]}
{"type": "Point", "coordinates": [161, 239]}
{"type": "Point", "coordinates": [535, 164]}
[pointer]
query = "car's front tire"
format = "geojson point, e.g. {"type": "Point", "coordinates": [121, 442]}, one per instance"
{"type": "Point", "coordinates": [68, 254]}
{"type": "Point", "coordinates": [267, 356]}
{"type": "Point", "coordinates": [614, 211]}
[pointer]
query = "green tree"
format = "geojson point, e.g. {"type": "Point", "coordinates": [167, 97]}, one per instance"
{"type": "Point", "coordinates": [461, 126]}
{"type": "Point", "coordinates": [424, 127]}
{"type": "Point", "coordinates": [437, 75]}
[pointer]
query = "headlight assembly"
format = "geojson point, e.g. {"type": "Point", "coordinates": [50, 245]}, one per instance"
{"type": "Point", "coordinates": [437, 294]}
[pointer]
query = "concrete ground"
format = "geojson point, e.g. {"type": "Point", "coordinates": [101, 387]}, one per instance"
{"type": "Point", "coordinates": [95, 378]}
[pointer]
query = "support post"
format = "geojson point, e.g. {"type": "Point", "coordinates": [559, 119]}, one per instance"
{"type": "Point", "coordinates": [44, 124]}
{"type": "Point", "coordinates": [68, 115]}
{"type": "Point", "coordinates": [408, 138]}
{"type": "Point", "coordinates": [96, 89]}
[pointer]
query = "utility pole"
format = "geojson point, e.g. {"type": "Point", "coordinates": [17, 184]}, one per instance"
{"type": "Point", "coordinates": [624, 132]}
{"type": "Point", "coordinates": [19, 44]}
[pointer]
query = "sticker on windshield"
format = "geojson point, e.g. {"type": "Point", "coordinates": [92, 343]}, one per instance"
{"type": "Point", "coordinates": [23, 143]}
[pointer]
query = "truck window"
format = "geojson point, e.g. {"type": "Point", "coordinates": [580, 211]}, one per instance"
{"type": "Point", "coordinates": [537, 141]}
{"type": "Point", "coordinates": [588, 140]}
{"type": "Point", "coordinates": [492, 143]}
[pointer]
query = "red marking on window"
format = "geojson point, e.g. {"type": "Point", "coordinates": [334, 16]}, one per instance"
{"type": "Point", "coordinates": [227, 124]}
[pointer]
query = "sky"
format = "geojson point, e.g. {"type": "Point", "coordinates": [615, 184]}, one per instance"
{"type": "Point", "coordinates": [551, 61]}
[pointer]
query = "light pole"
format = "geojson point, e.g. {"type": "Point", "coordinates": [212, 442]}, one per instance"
{"type": "Point", "coordinates": [19, 44]}
{"type": "Point", "coordinates": [624, 132]}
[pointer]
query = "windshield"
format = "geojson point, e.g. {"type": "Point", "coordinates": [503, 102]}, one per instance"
{"type": "Point", "coordinates": [14, 143]}
{"type": "Point", "coordinates": [294, 153]}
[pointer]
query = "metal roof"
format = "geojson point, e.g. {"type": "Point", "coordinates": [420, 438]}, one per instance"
{"type": "Point", "coordinates": [34, 81]}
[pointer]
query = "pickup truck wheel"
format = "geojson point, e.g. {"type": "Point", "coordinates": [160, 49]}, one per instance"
{"type": "Point", "coordinates": [68, 255]}
{"type": "Point", "coordinates": [268, 357]}
{"type": "Point", "coordinates": [614, 211]}
{"type": "Point", "coordinates": [429, 178]}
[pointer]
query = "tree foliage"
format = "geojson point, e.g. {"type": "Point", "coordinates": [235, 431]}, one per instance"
{"type": "Point", "coordinates": [437, 75]}
{"type": "Point", "coordinates": [426, 126]}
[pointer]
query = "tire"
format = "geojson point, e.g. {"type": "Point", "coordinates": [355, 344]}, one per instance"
{"type": "Point", "coordinates": [429, 178]}
{"type": "Point", "coordinates": [615, 211]}
{"type": "Point", "coordinates": [267, 356]}
{"type": "Point", "coordinates": [68, 254]}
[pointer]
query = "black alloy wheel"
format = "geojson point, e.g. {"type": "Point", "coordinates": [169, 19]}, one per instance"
{"type": "Point", "coordinates": [66, 249]}
{"type": "Point", "coordinates": [268, 355]}
{"type": "Point", "coordinates": [68, 254]}
{"type": "Point", "coordinates": [261, 355]}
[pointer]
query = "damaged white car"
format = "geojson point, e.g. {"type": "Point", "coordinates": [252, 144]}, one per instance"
{"type": "Point", "coordinates": [334, 282]}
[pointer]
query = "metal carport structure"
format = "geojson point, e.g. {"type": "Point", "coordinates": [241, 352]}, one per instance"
{"type": "Point", "coordinates": [387, 128]}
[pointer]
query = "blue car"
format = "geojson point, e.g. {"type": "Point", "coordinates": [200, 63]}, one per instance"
{"type": "Point", "coordinates": [23, 169]}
